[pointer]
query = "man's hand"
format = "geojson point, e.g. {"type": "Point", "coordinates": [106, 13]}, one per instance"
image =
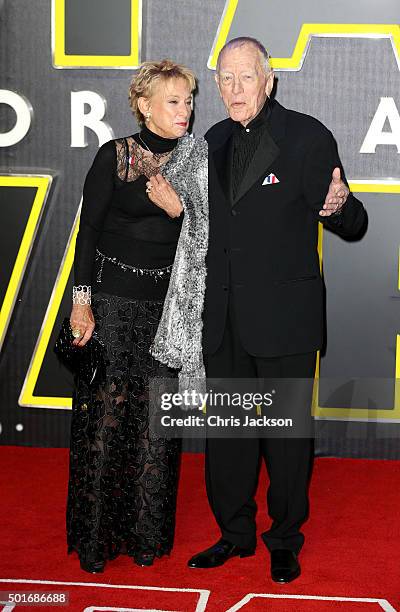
{"type": "Point", "coordinates": [164, 196]}
{"type": "Point", "coordinates": [336, 196]}
{"type": "Point", "coordinates": [82, 319]}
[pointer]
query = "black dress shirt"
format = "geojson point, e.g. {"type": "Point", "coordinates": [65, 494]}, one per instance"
{"type": "Point", "coordinates": [246, 139]}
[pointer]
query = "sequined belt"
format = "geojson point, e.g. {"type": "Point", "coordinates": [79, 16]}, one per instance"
{"type": "Point", "coordinates": [155, 273]}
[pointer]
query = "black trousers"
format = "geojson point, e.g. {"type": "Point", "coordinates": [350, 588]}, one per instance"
{"type": "Point", "coordinates": [232, 465]}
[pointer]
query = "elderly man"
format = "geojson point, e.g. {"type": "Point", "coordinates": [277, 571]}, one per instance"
{"type": "Point", "coordinates": [270, 169]}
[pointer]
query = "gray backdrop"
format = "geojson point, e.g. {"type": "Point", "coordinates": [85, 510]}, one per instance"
{"type": "Point", "coordinates": [341, 82]}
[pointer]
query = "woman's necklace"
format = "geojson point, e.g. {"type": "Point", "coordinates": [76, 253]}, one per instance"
{"type": "Point", "coordinates": [144, 144]}
{"type": "Point", "coordinates": [156, 156]}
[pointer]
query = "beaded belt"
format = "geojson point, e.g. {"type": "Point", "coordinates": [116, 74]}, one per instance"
{"type": "Point", "coordinates": [155, 273]}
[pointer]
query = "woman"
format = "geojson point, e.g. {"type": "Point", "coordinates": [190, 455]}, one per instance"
{"type": "Point", "coordinates": [123, 480]}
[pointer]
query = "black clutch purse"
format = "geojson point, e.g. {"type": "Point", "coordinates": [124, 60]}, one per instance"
{"type": "Point", "coordinates": [87, 362]}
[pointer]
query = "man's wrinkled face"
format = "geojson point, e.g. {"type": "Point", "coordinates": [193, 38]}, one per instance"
{"type": "Point", "coordinates": [243, 82]}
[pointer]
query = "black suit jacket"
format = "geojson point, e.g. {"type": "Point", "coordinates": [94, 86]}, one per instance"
{"type": "Point", "coordinates": [263, 244]}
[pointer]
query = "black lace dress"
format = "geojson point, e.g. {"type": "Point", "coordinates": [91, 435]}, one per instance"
{"type": "Point", "coordinates": [123, 480]}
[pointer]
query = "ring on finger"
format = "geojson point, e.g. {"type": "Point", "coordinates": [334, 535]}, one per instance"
{"type": "Point", "coordinates": [76, 333]}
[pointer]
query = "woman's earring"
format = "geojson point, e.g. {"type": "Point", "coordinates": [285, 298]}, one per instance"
{"type": "Point", "coordinates": [148, 115]}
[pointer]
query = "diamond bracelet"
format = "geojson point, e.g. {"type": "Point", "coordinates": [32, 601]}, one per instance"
{"type": "Point", "coordinates": [82, 295]}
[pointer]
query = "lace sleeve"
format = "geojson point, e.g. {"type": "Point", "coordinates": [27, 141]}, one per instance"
{"type": "Point", "coordinates": [97, 194]}
{"type": "Point", "coordinates": [123, 158]}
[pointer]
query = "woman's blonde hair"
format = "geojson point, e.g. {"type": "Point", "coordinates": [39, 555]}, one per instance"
{"type": "Point", "coordinates": [151, 73]}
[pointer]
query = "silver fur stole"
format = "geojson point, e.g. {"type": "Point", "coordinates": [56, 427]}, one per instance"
{"type": "Point", "coordinates": [178, 341]}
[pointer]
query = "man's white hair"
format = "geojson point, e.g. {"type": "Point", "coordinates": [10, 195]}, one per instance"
{"type": "Point", "coordinates": [247, 40]}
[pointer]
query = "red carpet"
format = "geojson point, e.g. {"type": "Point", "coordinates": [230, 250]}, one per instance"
{"type": "Point", "coordinates": [350, 562]}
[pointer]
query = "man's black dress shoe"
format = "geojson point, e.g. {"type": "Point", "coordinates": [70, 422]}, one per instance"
{"type": "Point", "coordinates": [218, 554]}
{"type": "Point", "coordinates": [284, 565]}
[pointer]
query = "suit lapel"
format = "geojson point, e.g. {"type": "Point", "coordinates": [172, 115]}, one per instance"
{"type": "Point", "coordinates": [266, 152]}
{"type": "Point", "coordinates": [223, 166]}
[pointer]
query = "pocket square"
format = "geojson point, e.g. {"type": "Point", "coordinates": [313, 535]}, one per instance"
{"type": "Point", "coordinates": [271, 179]}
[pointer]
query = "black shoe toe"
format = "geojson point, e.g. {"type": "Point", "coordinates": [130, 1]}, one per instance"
{"type": "Point", "coordinates": [217, 555]}
{"type": "Point", "coordinates": [92, 567]}
{"type": "Point", "coordinates": [284, 565]}
{"type": "Point", "coordinates": [144, 559]}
